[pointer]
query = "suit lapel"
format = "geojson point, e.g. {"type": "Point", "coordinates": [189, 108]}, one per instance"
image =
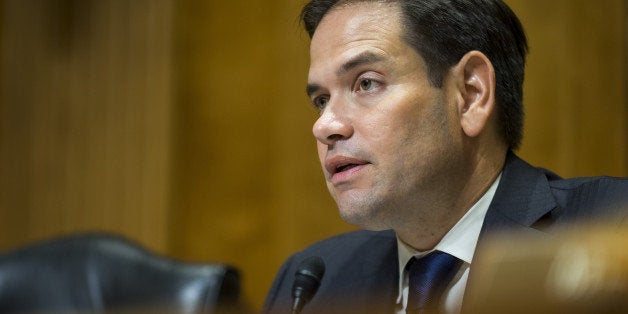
{"type": "Point", "coordinates": [522, 198]}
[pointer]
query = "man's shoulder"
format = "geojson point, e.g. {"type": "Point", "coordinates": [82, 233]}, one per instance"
{"type": "Point", "coordinates": [591, 189]}
{"type": "Point", "coordinates": [528, 196]}
{"type": "Point", "coordinates": [592, 197]}
{"type": "Point", "coordinates": [350, 242]}
{"type": "Point", "coordinates": [522, 176]}
{"type": "Point", "coordinates": [358, 236]}
{"type": "Point", "coordinates": [587, 183]}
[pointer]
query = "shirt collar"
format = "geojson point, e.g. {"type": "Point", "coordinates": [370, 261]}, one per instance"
{"type": "Point", "coordinates": [460, 241]}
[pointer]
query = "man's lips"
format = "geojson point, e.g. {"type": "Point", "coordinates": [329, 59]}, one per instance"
{"type": "Point", "coordinates": [338, 164]}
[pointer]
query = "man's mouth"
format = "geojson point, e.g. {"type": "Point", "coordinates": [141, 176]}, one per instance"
{"type": "Point", "coordinates": [341, 164]}
{"type": "Point", "coordinates": [346, 167]}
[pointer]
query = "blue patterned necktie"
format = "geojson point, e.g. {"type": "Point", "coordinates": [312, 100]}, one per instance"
{"type": "Point", "coordinates": [428, 278]}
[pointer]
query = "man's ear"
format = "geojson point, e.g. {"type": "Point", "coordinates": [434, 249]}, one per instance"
{"type": "Point", "coordinates": [474, 78]}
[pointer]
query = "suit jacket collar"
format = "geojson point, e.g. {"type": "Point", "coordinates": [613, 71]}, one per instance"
{"type": "Point", "coordinates": [522, 198]}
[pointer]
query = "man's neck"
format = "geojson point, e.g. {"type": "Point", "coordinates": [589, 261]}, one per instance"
{"type": "Point", "coordinates": [449, 210]}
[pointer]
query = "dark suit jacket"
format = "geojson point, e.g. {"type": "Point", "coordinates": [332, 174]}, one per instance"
{"type": "Point", "coordinates": [362, 269]}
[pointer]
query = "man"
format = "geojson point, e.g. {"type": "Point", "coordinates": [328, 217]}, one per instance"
{"type": "Point", "coordinates": [420, 109]}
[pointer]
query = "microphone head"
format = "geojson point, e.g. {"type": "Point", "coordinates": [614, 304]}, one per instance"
{"type": "Point", "coordinates": [307, 279]}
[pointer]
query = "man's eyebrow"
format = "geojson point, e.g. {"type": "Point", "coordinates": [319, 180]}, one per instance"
{"type": "Point", "coordinates": [366, 57]}
{"type": "Point", "coordinates": [311, 89]}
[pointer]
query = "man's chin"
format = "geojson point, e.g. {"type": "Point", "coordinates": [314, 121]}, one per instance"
{"type": "Point", "coordinates": [363, 219]}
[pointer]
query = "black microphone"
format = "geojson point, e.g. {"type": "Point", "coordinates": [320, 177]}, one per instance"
{"type": "Point", "coordinates": [307, 279]}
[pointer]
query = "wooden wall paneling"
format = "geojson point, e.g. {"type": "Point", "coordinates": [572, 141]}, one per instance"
{"type": "Point", "coordinates": [85, 119]}
{"type": "Point", "coordinates": [575, 86]}
{"type": "Point", "coordinates": [221, 175]}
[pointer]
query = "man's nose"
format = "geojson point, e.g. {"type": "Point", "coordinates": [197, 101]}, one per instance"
{"type": "Point", "coordinates": [333, 125]}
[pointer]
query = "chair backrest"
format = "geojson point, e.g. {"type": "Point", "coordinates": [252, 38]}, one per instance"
{"type": "Point", "coordinates": [103, 273]}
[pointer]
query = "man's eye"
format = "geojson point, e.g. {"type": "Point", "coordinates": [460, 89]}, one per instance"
{"type": "Point", "coordinates": [320, 102]}
{"type": "Point", "coordinates": [366, 85]}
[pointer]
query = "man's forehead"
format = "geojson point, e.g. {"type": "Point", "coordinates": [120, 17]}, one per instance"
{"type": "Point", "coordinates": [349, 30]}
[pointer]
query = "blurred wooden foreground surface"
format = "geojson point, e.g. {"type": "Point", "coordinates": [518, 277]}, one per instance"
{"type": "Point", "coordinates": [580, 270]}
{"type": "Point", "coordinates": [184, 124]}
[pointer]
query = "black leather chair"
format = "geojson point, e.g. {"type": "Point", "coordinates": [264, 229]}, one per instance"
{"type": "Point", "coordinates": [103, 273]}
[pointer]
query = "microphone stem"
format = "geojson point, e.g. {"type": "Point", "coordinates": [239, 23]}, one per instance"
{"type": "Point", "coordinates": [297, 306]}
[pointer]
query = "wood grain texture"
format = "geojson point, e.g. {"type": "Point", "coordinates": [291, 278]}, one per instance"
{"type": "Point", "coordinates": [85, 119]}
{"type": "Point", "coordinates": [575, 86]}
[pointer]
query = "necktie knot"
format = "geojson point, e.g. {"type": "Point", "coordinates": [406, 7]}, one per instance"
{"type": "Point", "coordinates": [428, 278]}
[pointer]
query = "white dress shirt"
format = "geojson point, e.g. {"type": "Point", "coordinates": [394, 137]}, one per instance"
{"type": "Point", "coordinates": [460, 242]}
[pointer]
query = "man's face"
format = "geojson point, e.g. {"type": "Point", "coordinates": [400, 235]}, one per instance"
{"type": "Point", "coordinates": [388, 141]}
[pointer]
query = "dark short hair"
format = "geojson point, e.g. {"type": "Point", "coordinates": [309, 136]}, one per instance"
{"type": "Point", "coordinates": [443, 31]}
